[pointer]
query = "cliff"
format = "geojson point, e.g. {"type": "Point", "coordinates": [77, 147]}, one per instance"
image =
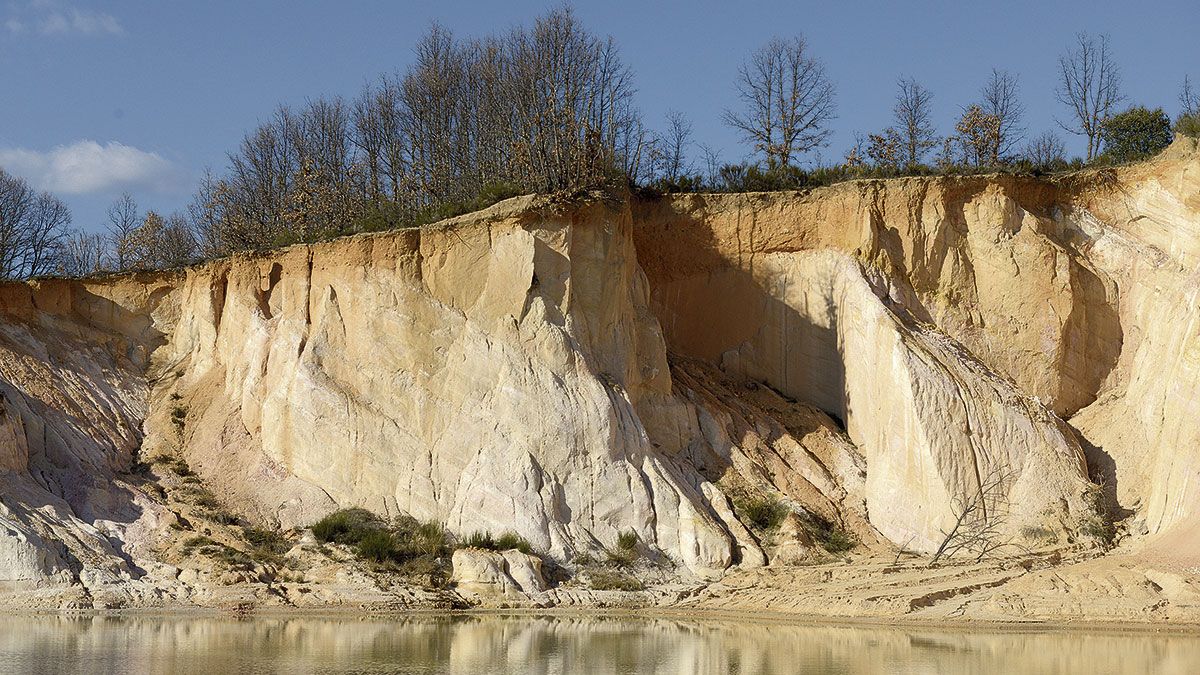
{"type": "Point", "coordinates": [880, 357]}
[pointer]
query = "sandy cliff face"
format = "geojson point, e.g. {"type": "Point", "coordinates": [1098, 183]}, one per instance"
{"type": "Point", "coordinates": [492, 373]}
{"type": "Point", "coordinates": [1143, 233]}
{"type": "Point", "coordinates": [875, 355]}
{"type": "Point", "coordinates": [72, 399]}
{"type": "Point", "coordinates": [828, 319]}
{"type": "Point", "coordinates": [1018, 298]}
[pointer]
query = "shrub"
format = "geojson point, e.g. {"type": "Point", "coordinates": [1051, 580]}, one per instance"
{"type": "Point", "coordinates": [429, 539]}
{"type": "Point", "coordinates": [627, 541]}
{"type": "Point", "coordinates": [179, 417]}
{"type": "Point", "coordinates": [347, 526]}
{"type": "Point", "coordinates": [266, 541]}
{"type": "Point", "coordinates": [1039, 533]}
{"type": "Point", "coordinates": [224, 517]}
{"type": "Point", "coordinates": [1135, 134]}
{"type": "Point", "coordinates": [626, 552]}
{"type": "Point", "coordinates": [192, 543]}
{"type": "Point", "coordinates": [377, 546]}
{"type": "Point", "coordinates": [1188, 125]}
{"type": "Point", "coordinates": [762, 513]}
{"type": "Point", "coordinates": [179, 467]}
{"type": "Point", "coordinates": [837, 540]}
{"type": "Point", "coordinates": [512, 541]}
{"type": "Point", "coordinates": [1098, 528]}
{"type": "Point", "coordinates": [507, 541]}
{"type": "Point", "coordinates": [612, 580]}
{"type": "Point", "coordinates": [754, 178]}
{"type": "Point", "coordinates": [482, 540]}
{"type": "Point", "coordinates": [488, 195]}
{"type": "Point", "coordinates": [829, 535]}
{"type": "Point", "coordinates": [679, 184]}
{"type": "Point", "coordinates": [230, 556]}
{"type": "Point", "coordinates": [200, 496]}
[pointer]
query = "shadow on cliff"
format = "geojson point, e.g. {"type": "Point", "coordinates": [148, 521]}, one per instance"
{"type": "Point", "coordinates": [86, 438]}
{"type": "Point", "coordinates": [715, 310]}
{"type": "Point", "coordinates": [752, 358]}
{"type": "Point", "coordinates": [1102, 470]}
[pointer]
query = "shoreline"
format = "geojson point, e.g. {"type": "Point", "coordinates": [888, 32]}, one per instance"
{"type": "Point", "coordinates": [701, 615]}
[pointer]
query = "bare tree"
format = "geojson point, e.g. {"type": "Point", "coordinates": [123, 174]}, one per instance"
{"type": "Point", "coordinates": [914, 121]}
{"type": "Point", "coordinates": [45, 232]}
{"type": "Point", "coordinates": [673, 146]}
{"type": "Point", "coordinates": [712, 164]}
{"type": "Point", "coordinates": [163, 242]}
{"type": "Point", "coordinates": [571, 97]}
{"type": "Point", "coordinates": [434, 117]}
{"type": "Point", "coordinates": [83, 254]}
{"type": "Point", "coordinates": [381, 146]}
{"type": "Point", "coordinates": [535, 109]}
{"type": "Point", "coordinates": [123, 221]}
{"type": "Point", "coordinates": [1000, 98]}
{"type": "Point", "coordinates": [854, 158]}
{"type": "Point", "coordinates": [1189, 99]}
{"type": "Point", "coordinates": [1046, 150]}
{"type": "Point", "coordinates": [177, 245]}
{"type": "Point", "coordinates": [980, 518]}
{"type": "Point", "coordinates": [1090, 86]}
{"type": "Point", "coordinates": [33, 227]}
{"type": "Point", "coordinates": [787, 100]}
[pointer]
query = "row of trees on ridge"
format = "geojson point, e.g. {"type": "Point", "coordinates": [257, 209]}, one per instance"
{"type": "Point", "coordinates": [551, 107]}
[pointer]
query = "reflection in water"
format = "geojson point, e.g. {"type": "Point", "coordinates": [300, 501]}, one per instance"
{"type": "Point", "coordinates": [561, 644]}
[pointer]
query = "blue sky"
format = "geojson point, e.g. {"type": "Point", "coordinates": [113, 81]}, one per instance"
{"type": "Point", "coordinates": [98, 98]}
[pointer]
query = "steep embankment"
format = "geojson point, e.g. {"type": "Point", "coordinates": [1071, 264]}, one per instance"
{"type": "Point", "coordinates": [73, 396]}
{"type": "Point", "coordinates": [881, 358]}
{"type": "Point", "coordinates": [1081, 293]}
{"type": "Point", "coordinates": [896, 307]}
{"type": "Point", "coordinates": [500, 371]}
{"type": "Point", "coordinates": [491, 373]}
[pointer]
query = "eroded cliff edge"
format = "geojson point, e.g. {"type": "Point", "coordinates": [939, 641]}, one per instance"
{"type": "Point", "coordinates": [872, 355]}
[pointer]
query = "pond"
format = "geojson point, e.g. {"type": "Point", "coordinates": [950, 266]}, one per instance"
{"type": "Point", "coordinates": [607, 644]}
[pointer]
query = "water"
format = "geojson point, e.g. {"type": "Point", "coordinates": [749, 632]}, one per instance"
{"type": "Point", "coordinates": [562, 644]}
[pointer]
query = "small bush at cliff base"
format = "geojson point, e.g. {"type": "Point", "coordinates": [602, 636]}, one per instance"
{"type": "Point", "coordinates": [347, 526]}
{"type": "Point", "coordinates": [837, 540]}
{"type": "Point", "coordinates": [761, 513]}
{"type": "Point", "coordinates": [419, 538]}
{"type": "Point", "coordinates": [510, 541]}
{"type": "Point", "coordinates": [1098, 528]}
{"type": "Point", "coordinates": [266, 546]}
{"type": "Point", "coordinates": [507, 541]}
{"type": "Point", "coordinates": [378, 546]}
{"type": "Point", "coordinates": [611, 580]}
{"type": "Point", "coordinates": [405, 546]}
{"type": "Point", "coordinates": [828, 534]}
{"type": "Point", "coordinates": [627, 541]}
{"type": "Point", "coordinates": [481, 540]}
{"type": "Point", "coordinates": [627, 552]}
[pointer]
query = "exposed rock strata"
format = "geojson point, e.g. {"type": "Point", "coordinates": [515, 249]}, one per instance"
{"type": "Point", "coordinates": [872, 354]}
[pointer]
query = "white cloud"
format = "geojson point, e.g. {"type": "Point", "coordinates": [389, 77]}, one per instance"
{"type": "Point", "coordinates": [88, 167]}
{"type": "Point", "coordinates": [54, 18]}
{"type": "Point", "coordinates": [80, 21]}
